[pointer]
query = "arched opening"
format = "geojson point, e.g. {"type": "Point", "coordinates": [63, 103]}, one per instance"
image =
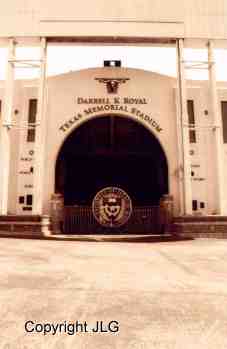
{"type": "Point", "coordinates": [111, 151]}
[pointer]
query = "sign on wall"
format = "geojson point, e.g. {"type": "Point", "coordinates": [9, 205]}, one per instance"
{"type": "Point", "coordinates": [94, 106]}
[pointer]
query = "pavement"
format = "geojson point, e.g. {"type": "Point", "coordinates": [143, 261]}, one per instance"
{"type": "Point", "coordinates": [165, 295]}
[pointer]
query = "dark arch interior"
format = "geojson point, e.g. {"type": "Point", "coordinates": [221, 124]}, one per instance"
{"type": "Point", "coordinates": [111, 151]}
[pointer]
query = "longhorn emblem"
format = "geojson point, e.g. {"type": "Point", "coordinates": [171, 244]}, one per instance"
{"type": "Point", "coordinates": [112, 84]}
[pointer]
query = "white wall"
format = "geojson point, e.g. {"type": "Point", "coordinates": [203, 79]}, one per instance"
{"type": "Point", "coordinates": [142, 18]}
{"type": "Point", "coordinates": [159, 91]}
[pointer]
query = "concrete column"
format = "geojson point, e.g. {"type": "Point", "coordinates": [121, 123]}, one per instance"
{"type": "Point", "coordinates": [40, 136]}
{"type": "Point", "coordinates": [218, 135]}
{"type": "Point", "coordinates": [5, 126]}
{"type": "Point", "coordinates": [183, 134]}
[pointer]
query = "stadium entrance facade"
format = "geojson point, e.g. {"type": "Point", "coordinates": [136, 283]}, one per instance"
{"type": "Point", "coordinates": [153, 139]}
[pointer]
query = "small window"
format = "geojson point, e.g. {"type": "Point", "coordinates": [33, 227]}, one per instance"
{"type": "Point", "coordinates": [191, 120]}
{"type": "Point", "coordinates": [21, 199]}
{"type": "Point", "coordinates": [112, 63]}
{"type": "Point", "coordinates": [202, 204]}
{"type": "Point", "coordinates": [192, 136]}
{"type": "Point", "coordinates": [32, 110]}
{"type": "Point", "coordinates": [31, 135]}
{"type": "Point", "coordinates": [224, 119]}
{"type": "Point", "coordinates": [194, 205]}
{"type": "Point", "coordinates": [29, 200]}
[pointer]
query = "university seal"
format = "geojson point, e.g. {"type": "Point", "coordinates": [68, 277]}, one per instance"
{"type": "Point", "coordinates": [112, 207]}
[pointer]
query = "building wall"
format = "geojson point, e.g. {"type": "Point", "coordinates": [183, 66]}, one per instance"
{"type": "Point", "coordinates": [26, 152]}
{"type": "Point", "coordinates": [223, 97]}
{"type": "Point", "coordinates": [21, 152]}
{"type": "Point", "coordinates": [67, 106]}
{"type": "Point", "coordinates": [146, 18]}
{"type": "Point", "coordinates": [203, 155]}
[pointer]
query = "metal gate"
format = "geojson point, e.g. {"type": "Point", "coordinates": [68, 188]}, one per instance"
{"type": "Point", "coordinates": [144, 220]}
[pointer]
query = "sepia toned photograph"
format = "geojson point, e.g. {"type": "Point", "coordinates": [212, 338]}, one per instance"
{"type": "Point", "coordinates": [113, 167]}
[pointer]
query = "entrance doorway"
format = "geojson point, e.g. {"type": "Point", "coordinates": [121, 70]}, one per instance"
{"type": "Point", "coordinates": [111, 151]}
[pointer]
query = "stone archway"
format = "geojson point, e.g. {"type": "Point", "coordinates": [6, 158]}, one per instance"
{"type": "Point", "coordinates": [111, 151]}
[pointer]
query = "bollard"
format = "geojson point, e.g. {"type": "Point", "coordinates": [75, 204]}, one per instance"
{"type": "Point", "coordinates": [57, 213]}
{"type": "Point", "coordinates": [166, 208]}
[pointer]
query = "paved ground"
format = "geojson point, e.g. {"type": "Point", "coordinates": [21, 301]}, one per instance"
{"type": "Point", "coordinates": [169, 295]}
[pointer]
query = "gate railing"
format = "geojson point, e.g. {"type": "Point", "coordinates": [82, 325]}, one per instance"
{"type": "Point", "coordinates": [144, 219]}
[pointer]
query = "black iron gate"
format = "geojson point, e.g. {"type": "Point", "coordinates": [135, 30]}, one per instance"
{"type": "Point", "coordinates": [144, 220]}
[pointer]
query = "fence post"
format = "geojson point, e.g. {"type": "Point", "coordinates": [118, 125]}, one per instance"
{"type": "Point", "coordinates": [57, 213]}
{"type": "Point", "coordinates": [166, 208]}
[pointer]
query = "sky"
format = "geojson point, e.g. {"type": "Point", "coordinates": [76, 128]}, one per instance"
{"type": "Point", "coordinates": [157, 59]}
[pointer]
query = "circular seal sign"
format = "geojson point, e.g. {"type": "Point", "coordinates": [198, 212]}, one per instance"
{"type": "Point", "coordinates": [112, 207]}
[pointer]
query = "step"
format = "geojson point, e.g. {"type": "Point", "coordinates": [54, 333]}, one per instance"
{"type": "Point", "coordinates": [139, 238]}
{"type": "Point", "coordinates": [20, 223]}
{"type": "Point", "coordinates": [22, 234]}
{"type": "Point", "coordinates": [202, 229]}
{"type": "Point", "coordinates": [200, 219]}
{"type": "Point", "coordinates": [15, 218]}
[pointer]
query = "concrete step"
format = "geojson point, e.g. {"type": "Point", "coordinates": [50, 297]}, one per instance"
{"type": "Point", "coordinates": [129, 238]}
{"type": "Point", "coordinates": [21, 234]}
{"type": "Point", "coordinates": [21, 224]}
{"type": "Point", "coordinates": [21, 218]}
{"type": "Point", "coordinates": [117, 237]}
{"type": "Point", "coordinates": [201, 228]}
{"type": "Point", "coordinates": [200, 219]}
